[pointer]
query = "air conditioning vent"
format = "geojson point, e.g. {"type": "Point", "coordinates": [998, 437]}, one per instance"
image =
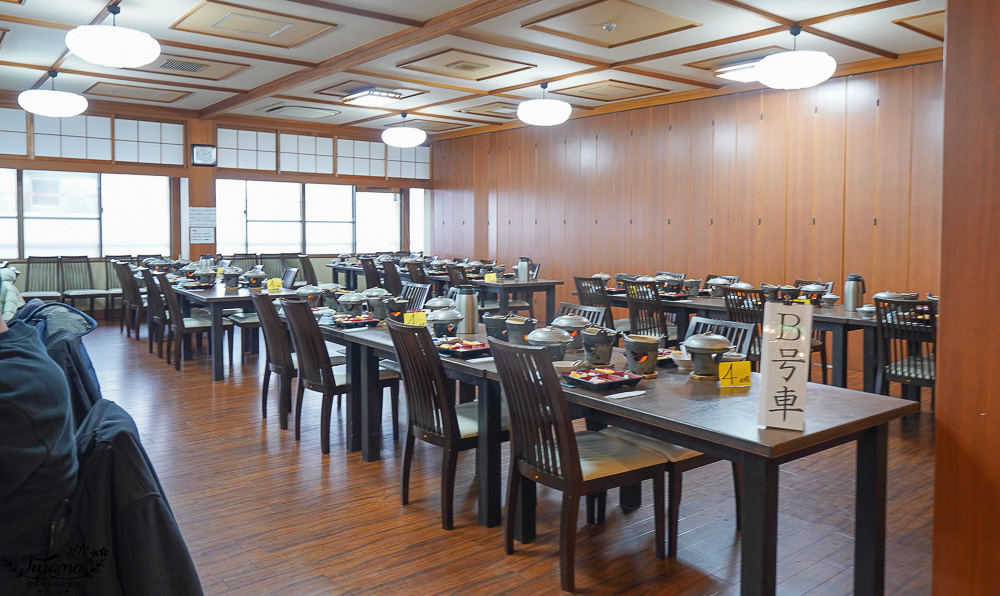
{"type": "Point", "coordinates": [185, 66]}
{"type": "Point", "coordinates": [466, 66]}
{"type": "Point", "coordinates": [301, 111]}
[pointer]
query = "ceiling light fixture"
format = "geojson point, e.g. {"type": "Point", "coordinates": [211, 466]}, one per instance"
{"type": "Point", "coordinates": [372, 97]}
{"type": "Point", "coordinates": [797, 69]}
{"type": "Point", "coordinates": [543, 112]}
{"type": "Point", "coordinates": [402, 136]}
{"type": "Point", "coordinates": [52, 103]}
{"type": "Point", "coordinates": [743, 73]}
{"type": "Point", "coordinates": [113, 46]}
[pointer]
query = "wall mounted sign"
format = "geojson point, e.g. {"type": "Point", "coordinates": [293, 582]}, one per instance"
{"type": "Point", "coordinates": [202, 235]}
{"type": "Point", "coordinates": [784, 365]}
{"type": "Point", "coordinates": [201, 217]}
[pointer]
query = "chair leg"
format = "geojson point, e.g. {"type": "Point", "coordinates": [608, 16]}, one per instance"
{"type": "Point", "coordinates": [450, 463]}
{"type": "Point", "coordinates": [596, 507]}
{"type": "Point", "coordinates": [298, 410]}
{"type": "Point", "coordinates": [121, 316]}
{"type": "Point", "coordinates": [567, 539]}
{"type": "Point", "coordinates": [394, 404]}
{"type": "Point", "coordinates": [513, 486]}
{"type": "Point", "coordinates": [230, 331]}
{"type": "Point", "coordinates": [263, 392]}
{"type": "Point", "coordinates": [738, 493]}
{"type": "Point", "coordinates": [673, 511]}
{"type": "Point", "coordinates": [170, 344]}
{"type": "Point", "coordinates": [404, 480]}
{"type": "Point", "coordinates": [177, 351]}
{"type": "Point", "coordinates": [150, 331]}
{"type": "Point", "coordinates": [822, 362]}
{"type": "Point", "coordinates": [159, 339]}
{"type": "Point", "coordinates": [658, 512]}
{"type": "Point", "coordinates": [324, 422]}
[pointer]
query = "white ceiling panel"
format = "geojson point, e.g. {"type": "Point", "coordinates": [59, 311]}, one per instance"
{"type": "Point", "coordinates": [417, 10]}
{"type": "Point", "coordinates": [879, 26]}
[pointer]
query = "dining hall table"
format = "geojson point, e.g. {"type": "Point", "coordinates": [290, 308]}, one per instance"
{"type": "Point", "coordinates": [683, 411]}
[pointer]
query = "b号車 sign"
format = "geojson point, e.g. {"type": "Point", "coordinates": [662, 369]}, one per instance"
{"type": "Point", "coordinates": [784, 364]}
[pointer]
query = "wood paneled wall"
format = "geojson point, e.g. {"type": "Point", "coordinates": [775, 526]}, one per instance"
{"type": "Point", "coordinates": [771, 185]}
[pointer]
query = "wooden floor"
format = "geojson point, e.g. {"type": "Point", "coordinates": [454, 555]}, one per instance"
{"type": "Point", "coordinates": [263, 514]}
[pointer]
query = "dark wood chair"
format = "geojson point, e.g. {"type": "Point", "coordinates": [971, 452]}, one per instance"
{"type": "Point", "coordinates": [305, 268]}
{"type": "Point", "coordinates": [747, 306]}
{"type": "Point", "coordinates": [418, 274]}
{"type": "Point", "coordinates": [76, 281]}
{"type": "Point", "coordinates": [906, 339]}
{"type": "Point", "coordinates": [645, 311]}
{"type": "Point", "coordinates": [288, 277]}
{"type": "Point", "coordinates": [740, 334]}
{"type": "Point", "coordinates": [730, 278]}
{"type": "Point", "coordinates": [316, 372]}
{"type": "Point", "coordinates": [393, 283]}
{"type": "Point", "coordinates": [372, 278]}
{"type": "Point", "coordinates": [133, 301]}
{"type": "Point", "coordinates": [457, 275]}
{"type": "Point", "coordinates": [157, 318]}
{"type": "Point", "coordinates": [818, 336]}
{"type": "Point", "coordinates": [679, 276]}
{"type": "Point", "coordinates": [180, 326]}
{"type": "Point", "coordinates": [114, 287]}
{"type": "Point", "coordinates": [415, 294]}
{"type": "Point", "coordinates": [245, 260]}
{"type": "Point", "coordinates": [273, 264]}
{"type": "Point", "coordinates": [591, 291]}
{"type": "Point", "coordinates": [41, 279]}
{"type": "Point", "coordinates": [594, 314]}
{"type": "Point", "coordinates": [545, 449]}
{"type": "Point", "coordinates": [280, 359]}
{"type": "Point", "coordinates": [431, 411]}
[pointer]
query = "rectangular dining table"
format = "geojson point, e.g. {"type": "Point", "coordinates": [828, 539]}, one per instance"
{"type": "Point", "coordinates": [215, 300]}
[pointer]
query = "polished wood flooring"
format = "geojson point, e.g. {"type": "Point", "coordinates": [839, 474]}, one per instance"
{"type": "Point", "coordinates": [263, 514]}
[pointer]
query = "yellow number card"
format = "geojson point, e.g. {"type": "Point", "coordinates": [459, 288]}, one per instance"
{"type": "Point", "coordinates": [734, 374]}
{"type": "Point", "coordinates": [415, 318]}
{"type": "Point", "coordinates": [490, 277]}
{"type": "Point", "coordinates": [274, 285]}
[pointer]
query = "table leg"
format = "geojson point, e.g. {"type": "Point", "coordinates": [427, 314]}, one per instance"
{"type": "Point", "coordinates": [524, 522]}
{"type": "Point", "coordinates": [488, 454]}
{"type": "Point", "coordinates": [870, 360]}
{"type": "Point", "coordinates": [869, 524]}
{"type": "Point", "coordinates": [550, 303]}
{"type": "Point", "coordinates": [371, 406]}
{"type": "Point", "coordinates": [838, 348]}
{"type": "Point", "coordinates": [759, 548]}
{"type": "Point", "coordinates": [354, 397]}
{"type": "Point", "coordinates": [503, 300]}
{"type": "Point", "coordinates": [217, 332]}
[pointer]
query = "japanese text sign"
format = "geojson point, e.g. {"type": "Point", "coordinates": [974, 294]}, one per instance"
{"type": "Point", "coordinates": [490, 277]}
{"type": "Point", "coordinates": [784, 365]}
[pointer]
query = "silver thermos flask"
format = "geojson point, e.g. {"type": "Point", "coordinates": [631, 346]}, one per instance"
{"type": "Point", "coordinates": [854, 292]}
{"type": "Point", "coordinates": [467, 302]}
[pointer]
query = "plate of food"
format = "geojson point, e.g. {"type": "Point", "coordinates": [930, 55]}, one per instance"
{"type": "Point", "coordinates": [195, 285]}
{"type": "Point", "coordinates": [463, 348]}
{"type": "Point", "coordinates": [353, 322]}
{"type": "Point", "coordinates": [675, 296]}
{"type": "Point", "coordinates": [601, 379]}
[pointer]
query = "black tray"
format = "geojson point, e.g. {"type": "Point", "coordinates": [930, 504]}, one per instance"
{"type": "Point", "coordinates": [345, 324]}
{"type": "Point", "coordinates": [623, 379]}
{"type": "Point", "coordinates": [467, 353]}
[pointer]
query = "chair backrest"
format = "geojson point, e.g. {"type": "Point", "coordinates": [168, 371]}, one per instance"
{"type": "Point", "coordinates": [76, 274]}
{"type": "Point", "coordinates": [541, 429]}
{"type": "Point", "coordinates": [244, 260]}
{"type": "Point", "coordinates": [393, 283]}
{"type": "Point", "coordinates": [533, 270]}
{"type": "Point", "coordinates": [594, 314]}
{"type": "Point", "coordinates": [417, 272]}
{"type": "Point", "coordinates": [645, 311]}
{"type": "Point", "coordinates": [154, 299]}
{"type": "Point", "coordinates": [730, 278]}
{"type": "Point", "coordinates": [306, 268]}
{"type": "Point", "coordinates": [591, 291]}
{"type": "Point", "coordinates": [276, 341]}
{"type": "Point", "coordinates": [744, 306]}
{"type": "Point", "coordinates": [430, 395]}
{"type": "Point", "coordinates": [288, 277]}
{"type": "Point", "coordinates": [740, 334]}
{"type": "Point", "coordinates": [906, 337]}
{"type": "Point", "coordinates": [372, 279]}
{"type": "Point", "coordinates": [673, 275]}
{"type": "Point", "coordinates": [173, 303]}
{"type": "Point", "coordinates": [273, 264]}
{"type": "Point", "coordinates": [290, 259]}
{"type": "Point", "coordinates": [415, 294]}
{"type": "Point", "coordinates": [111, 273]}
{"type": "Point", "coordinates": [310, 349]}
{"type": "Point", "coordinates": [805, 282]}
{"type": "Point", "coordinates": [41, 274]}
{"type": "Point", "coordinates": [456, 275]}
{"type": "Point", "coordinates": [130, 287]}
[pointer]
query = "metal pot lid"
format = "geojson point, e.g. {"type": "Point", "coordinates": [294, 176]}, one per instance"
{"type": "Point", "coordinates": [645, 338]}
{"type": "Point", "coordinates": [829, 295]}
{"type": "Point", "coordinates": [308, 290]}
{"type": "Point", "coordinates": [330, 288]}
{"type": "Point", "coordinates": [718, 281]}
{"type": "Point", "coordinates": [190, 267]}
{"type": "Point", "coordinates": [436, 263]}
{"type": "Point", "coordinates": [548, 336]}
{"type": "Point", "coordinates": [571, 321]}
{"type": "Point", "coordinates": [888, 295]}
{"type": "Point", "coordinates": [205, 271]}
{"type": "Point", "coordinates": [474, 264]}
{"type": "Point", "coordinates": [352, 298]}
{"type": "Point", "coordinates": [598, 331]}
{"type": "Point", "coordinates": [376, 292]}
{"type": "Point", "coordinates": [255, 274]}
{"type": "Point", "coordinates": [707, 343]}
{"type": "Point", "coordinates": [645, 278]}
{"type": "Point", "coordinates": [439, 302]}
{"type": "Point", "coordinates": [692, 281]}
{"type": "Point", "coordinates": [232, 271]}
{"type": "Point", "coordinates": [665, 278]}
{"type": "Point", "coordinates": [519, 320]}
{"type": "Point", "coordinates": [813, 288]}
{"type": "Point", "coordinates": [601, 275]}
{"type": "Point", "coordinates": [741, 285]}
{"type": "Point", "coordinates": [446, 315]}
{"type": "Point", "coordinates": [448, 261]}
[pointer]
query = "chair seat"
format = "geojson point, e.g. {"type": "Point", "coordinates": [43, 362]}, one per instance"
{"type": "Point", "coordinates": [605, 455]}
{"type": "Point", "coordinates": [913, 367]}
{"type": "Point", "coordinates": [622, 325]}
{"type": "Point", "coordinates": [816, 343]}
{"type": "Point", "coordinates": [467, 415]}
{"type": "Point", "coordinates": [336, 361]}
{"type": "Point", "coordinates": [115, 292]}
{"type": "Point", "coordinates": [203, 323]}
{"type": "Point", "coordinates": [340, 372]}
{"type": "Point", "coordinates": [673, 453]}
{"type": "Point", "coordinates": [245, 319]}
{"type": "Point", "coordinates": [85, 293]}
{"type": "Point", "coordinates": [228, 312]}
{"type": "Point", "coordinates": [390, 365]}
{"type": "Point", "coordinates": [495, 304]}
{"type": "Point", "coordinates": [41, 294]}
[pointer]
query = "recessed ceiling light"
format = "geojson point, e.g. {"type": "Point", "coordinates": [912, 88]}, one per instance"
{"type": "Point", "coordinates": [743, 73]}
{"type": "Point", "coordinates": [373, 97]}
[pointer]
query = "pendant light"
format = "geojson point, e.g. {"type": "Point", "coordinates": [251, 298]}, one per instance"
{"type": "Point", "coordinates": [52, 103]}
{"type": "Point", "coordinates": [402, 136]}
{"type": "Point", "coordinates": [797, 69]}
{"type": "Point", "coordinates": [543, 112]}
{"type": "Point", "coordinates": [113, 46]}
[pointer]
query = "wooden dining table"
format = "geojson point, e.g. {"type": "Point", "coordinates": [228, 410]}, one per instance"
{"type": "Point", "coordinates": [686, 412]}
{"type": "Point", "coordinates": [215, 300]}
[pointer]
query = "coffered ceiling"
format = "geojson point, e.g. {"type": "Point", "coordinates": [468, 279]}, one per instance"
{"type": "Point", "coordinates": [460, 67]}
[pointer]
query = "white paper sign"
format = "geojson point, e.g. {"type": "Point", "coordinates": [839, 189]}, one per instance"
{"type": "Point", "coordinates": [202, 235]}
{"type": "Point", "coordinates": [201, 216]}
{"type": "Point", "coordinates": [784, 365]}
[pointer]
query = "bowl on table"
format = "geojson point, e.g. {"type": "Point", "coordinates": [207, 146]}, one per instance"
{"type": "Point", "coordinates": [829, 299]}
{"type": "Point", "coordinates": [565, 366]}
{"type": "Point", "coordinates": [866, 312]}
{"type": "Point", "coordinates": [682, 360]}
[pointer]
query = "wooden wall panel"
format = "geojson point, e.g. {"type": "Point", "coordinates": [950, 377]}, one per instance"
{"type": "Point", "coordinates": [745, 257]}
{"type": "Point", "coordinates": [859, 177]}
{"type": "Point", "coordinates": [827, 255]}
{"type": "Point", "coordinates": [770, 247]}
{"type": "Point", "coordinates": [724, 223]}
{"type": "Point", "coordinates": [700, 219]}
{"type": "Point", "coordinates": [801, 183]}
{"type": "Point", "coordinates": [680, 231]}
{"type": "Point", "coordinates": [925, 183]}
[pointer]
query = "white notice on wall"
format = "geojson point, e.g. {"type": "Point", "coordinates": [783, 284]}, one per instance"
{"type": "Point", "coordinates": [784, 365]}
{"type": "Point", "coordinates": [202, 235]}
{"type": "Point", "coordinates": [201, 216]}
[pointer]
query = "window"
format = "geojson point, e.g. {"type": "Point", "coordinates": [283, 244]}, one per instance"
{"type": "Point", "coordinates": [257, 216]}
{"type": "Point", "coordinates": [8, 214]}
{"type": "Point", "coordinates": [149, 142]}
{"type": "Point", "coordinates": [378, 221]}
{"type": "Point", "coordinates": [79, 137]}
{"type": "Point", "coordinates": [135, 214]}
{"type": "Point", "coordinates": [329, 219]}
{"type": "Point", "coordinates": [301, 153]}
{"type": "Point", "coordinates": [247, 149]}
{"type": "Point", "coordinates": [61, 213]}
{"type": "Point", "coordinates": [418, 204]}
{"type": "Point", "coordinates": [13, 135]}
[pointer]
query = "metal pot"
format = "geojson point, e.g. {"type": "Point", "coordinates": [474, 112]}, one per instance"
{"type": "Point", "coordinates": [555, 340]}
{"type": "Point", "coordinates": [829, 299]}
{"type": "Point", "coordinates": [439, 303]}
{"type": "Point", "coordinates": [813, 292]}
{"type": "Point", "coordinates": [691, 286]}
{"type": "Point", "coordinates": [188, 270]}
{"type": "Point", "coordinates": [895, 296]}
{"type": "Point", "coordinates": [376, 292]}
{"type": "Point", "coordinates": [231, 276]}
{"type": "Point", "coordinates": [716, 284]}
{"type": "Point", "coordinates": [741, 285]}
{"type": "Point", "coordinates": [444, 321]}
{"type": "Point", "coordinates": [602, 276]}
{"type": "Point", "coordinates": [205, 275]}
{"type": "Point", "coordinates": [158, 265]}
{"type": "Point", "coordinates": [255, 278]}
{"type": "Point", "coordinates": [789, 292]}
{"type": "Point", "coordinates": [518, 328]}
{"type": "Point", "coordinates": [706, 351]}
{"type": "Point", "coordinates": [496, 326]}
{"type": "Point", "coordinates": [178, 264]}
{"type": "Point", "coordinates": [770, 292]}
{"type": "Point", "coordinates": [310, 294]}
{"type": "Point", "coordinates": [572, 324]}
{"type": "Point", "coordinates": [641, 352]}
{"type": "Point", "coordinates": [329, 296]}
{"type": "Point", "coordinates": [598, 343]}
{"type": "Point", "coordinates": [352, 303]}
{"type": "Point", "coordinates": [396, 307]}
